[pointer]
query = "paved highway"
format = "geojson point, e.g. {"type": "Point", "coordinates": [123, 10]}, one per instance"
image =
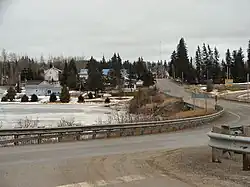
{"type": "Point", "coordinates": [94, 163]}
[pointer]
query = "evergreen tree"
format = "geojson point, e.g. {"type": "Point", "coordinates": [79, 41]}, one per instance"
{"type": "Point", "coordinates": [229, 63]}
{"type": "Point", "coordinates": [52, 98]}
{"type": "Point", "coordinates": [182, 61]}
{"type": "Point", "coordinates": [25, 98]}
{"type": "Point", "coordinates": [172, 65]}
{"type": "Point", "coordinates": [30, 74]}
{"type": "Point", "coordinates": [223, 70]}
{"type": "Point", "coordinates": [191, 76]}
{"type": "Point", "coordinates": [238, 67]}
{"type": "Point", "coordinates": [148, 79]}
{"type": "Point", "coordinates": [11, 93]}
{"type": "Point", "coordinates": [216, 66]}
{"type": "Point", "coordinates": [248, 57]}
{"type": "Point", "coordinates": [117, 68]}
{"type": "Point", "coordinates": [126, 65]}
{"type": "Point", "coordinates": [33, 98]}
{"type": "Point", "coordinates": [205, 61]}
{"type": "Point", "coordinates": [95, 77]}
{"type": "Point", "coordinates": [140, 68]}
{"type": "Point", "coordinates": [65, 96]}
{"type": "Point", "coordinates": [80, 99]}
{"type": "Point", "coordinates": [104, 64]}
{"type": "Point", "coordinates": [210, 64]}
{"type": "Point", "coordinates": [72, 78]}
{"type": "Point", "coordinates": [131, 74]}
{"type": "Point", "coordinates": [198, 62]}
{"type": "Point", "coordinates": [241, 66]}
{"type": "Point", "coordinates": [64, 75]}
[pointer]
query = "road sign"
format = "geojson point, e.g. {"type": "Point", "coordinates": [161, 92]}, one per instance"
{"type": "Point", "coordinates": [229, 82]}
{"type": "Point", "coordinates": [199, 96]}
{"type": "Point", "coordinates": [167, 91]}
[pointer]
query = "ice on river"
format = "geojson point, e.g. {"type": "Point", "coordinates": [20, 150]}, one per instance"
{"type": "Point", "coordinates": [50, 114]}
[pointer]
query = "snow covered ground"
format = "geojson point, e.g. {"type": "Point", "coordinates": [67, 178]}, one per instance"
{"type": "Point", "coordinates": [50, 114]}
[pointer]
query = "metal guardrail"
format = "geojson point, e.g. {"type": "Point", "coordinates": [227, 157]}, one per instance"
{"type": "Point", "coordinates": [230, 140]}
{"type": "Point", "coordinates": [239, 144]}
{"type": "Point", "coordinates": [42, 135]}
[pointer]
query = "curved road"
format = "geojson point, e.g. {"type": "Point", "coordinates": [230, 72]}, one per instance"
{"type": "Point", "coordinates": [64, 164]}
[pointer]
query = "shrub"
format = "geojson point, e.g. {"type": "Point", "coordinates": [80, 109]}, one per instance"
{"type": "Point", "coordinates": [90, 95]}
{"type": "Point", "coordinates": [80, 99]}
{"type": "Point", "coordinates": [210, 86]}
{"type": "Point", "coordinates": [11, 93]}
{"type": "Point", "coordinates": [107, 100]}
{"type": "Point", "coordinates": [4, 99]}
{"type": "Point", "coordinates": [65, 96]}
{"type": "Point", "coordinates": [52, 98]}
{"type": "Point", "coordinates": [34, 98]}
{"type": "Point", "coordinates": [25, 98]}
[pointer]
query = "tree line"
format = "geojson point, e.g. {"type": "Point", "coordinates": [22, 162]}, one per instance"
{"type": "Point", "coordinates": [206, 65]}
{"type": "Point", "coordinates": [13, 68]}
{"type": "Point", "coordinates": [96, 80]}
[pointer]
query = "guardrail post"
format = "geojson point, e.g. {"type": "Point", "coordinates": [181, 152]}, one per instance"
{"type": "Point", "coordinates": [78, 137]}
{"type": "Point", "coordinates": [15, 140]}
{"type": "Point", "coordinates": [133, 131]}
{"type": "Point", "coordinates": [142, 131]}
{"type": "Point", "coordinates": [60, 135]}
{"type": "Point", "coordinates": [121, 132]}
{"type": "Point", "coordinates": [108, 133]}
{"type": "Point", "coordinates": [94, 135]}
{"type": "Point", "coordinates": [160, 129]}
{"type": "Point", "coordinates": [39, 140]}
{"type": "Point", "coordinates": [246, 157]}
{"type": "Point", "coordinates": [216, 153]}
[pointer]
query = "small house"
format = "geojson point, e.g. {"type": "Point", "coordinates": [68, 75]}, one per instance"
{"type": "Point", "coordinates": [51, 84]}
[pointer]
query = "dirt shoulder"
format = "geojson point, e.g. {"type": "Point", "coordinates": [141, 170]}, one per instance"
{"type": "Point", "coordinates": [194, 166]}
{"type": "Point", "coordinates": [191, 166]}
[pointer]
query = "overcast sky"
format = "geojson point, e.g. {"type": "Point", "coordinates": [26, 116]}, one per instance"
{"type": "Point", "coordinates": [131, 27]}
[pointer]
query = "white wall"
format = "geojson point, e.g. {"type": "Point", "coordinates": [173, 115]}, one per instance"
{"type": "Point", "coordinates": [41, 91]}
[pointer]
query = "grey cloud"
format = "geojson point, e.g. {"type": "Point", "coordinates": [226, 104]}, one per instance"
{"type": "Point", "coordinates": [132, 27]}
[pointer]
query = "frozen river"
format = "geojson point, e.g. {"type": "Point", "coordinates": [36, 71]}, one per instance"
{"type": "Point", "coordinates": [51, 114]}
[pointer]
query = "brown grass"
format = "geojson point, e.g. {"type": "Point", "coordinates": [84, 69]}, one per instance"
{"type": "Point", "coordinates": [192, 113]}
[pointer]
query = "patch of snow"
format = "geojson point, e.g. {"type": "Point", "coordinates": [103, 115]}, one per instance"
{"type": "Point", "coordinates": [50, 115]}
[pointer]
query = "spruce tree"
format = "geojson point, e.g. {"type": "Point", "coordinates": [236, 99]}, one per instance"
{"type": "Point", "coordinates": [229, 63]}
{"type": "Point", "coordinates": [216, 66]}
{"type": "Point", "coordinates": [172, 65]}
{"type": "Point", "coordinates": [72, 78]}
{"type": "Point", "coordinates": [223, 69]}
{"type": "Point", "coordinates": [210, 64]}
{"type": "Point", "coordinates": [65, 96]}
{"type": "Point", "coordinates": [64, 75]}
{"type": "Point", "coordinates": [140, 68]}
{"type": "Point", "coordinates": [182, 65]}
{"type": "Point", "coordinates": [148, 79]}
{"type": "Point", "coordinates": [198, 63]}
{"type": "Point", "coordinates": [95, 77]}
{"type": "Point", "coordinates": [241, 66]}
{"type": "Point", "coordinates": [11, 93]}
{"type": "Point", "coordinates": [205, 61]}
{"type": "Point", "coordinates": [248, 57]}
